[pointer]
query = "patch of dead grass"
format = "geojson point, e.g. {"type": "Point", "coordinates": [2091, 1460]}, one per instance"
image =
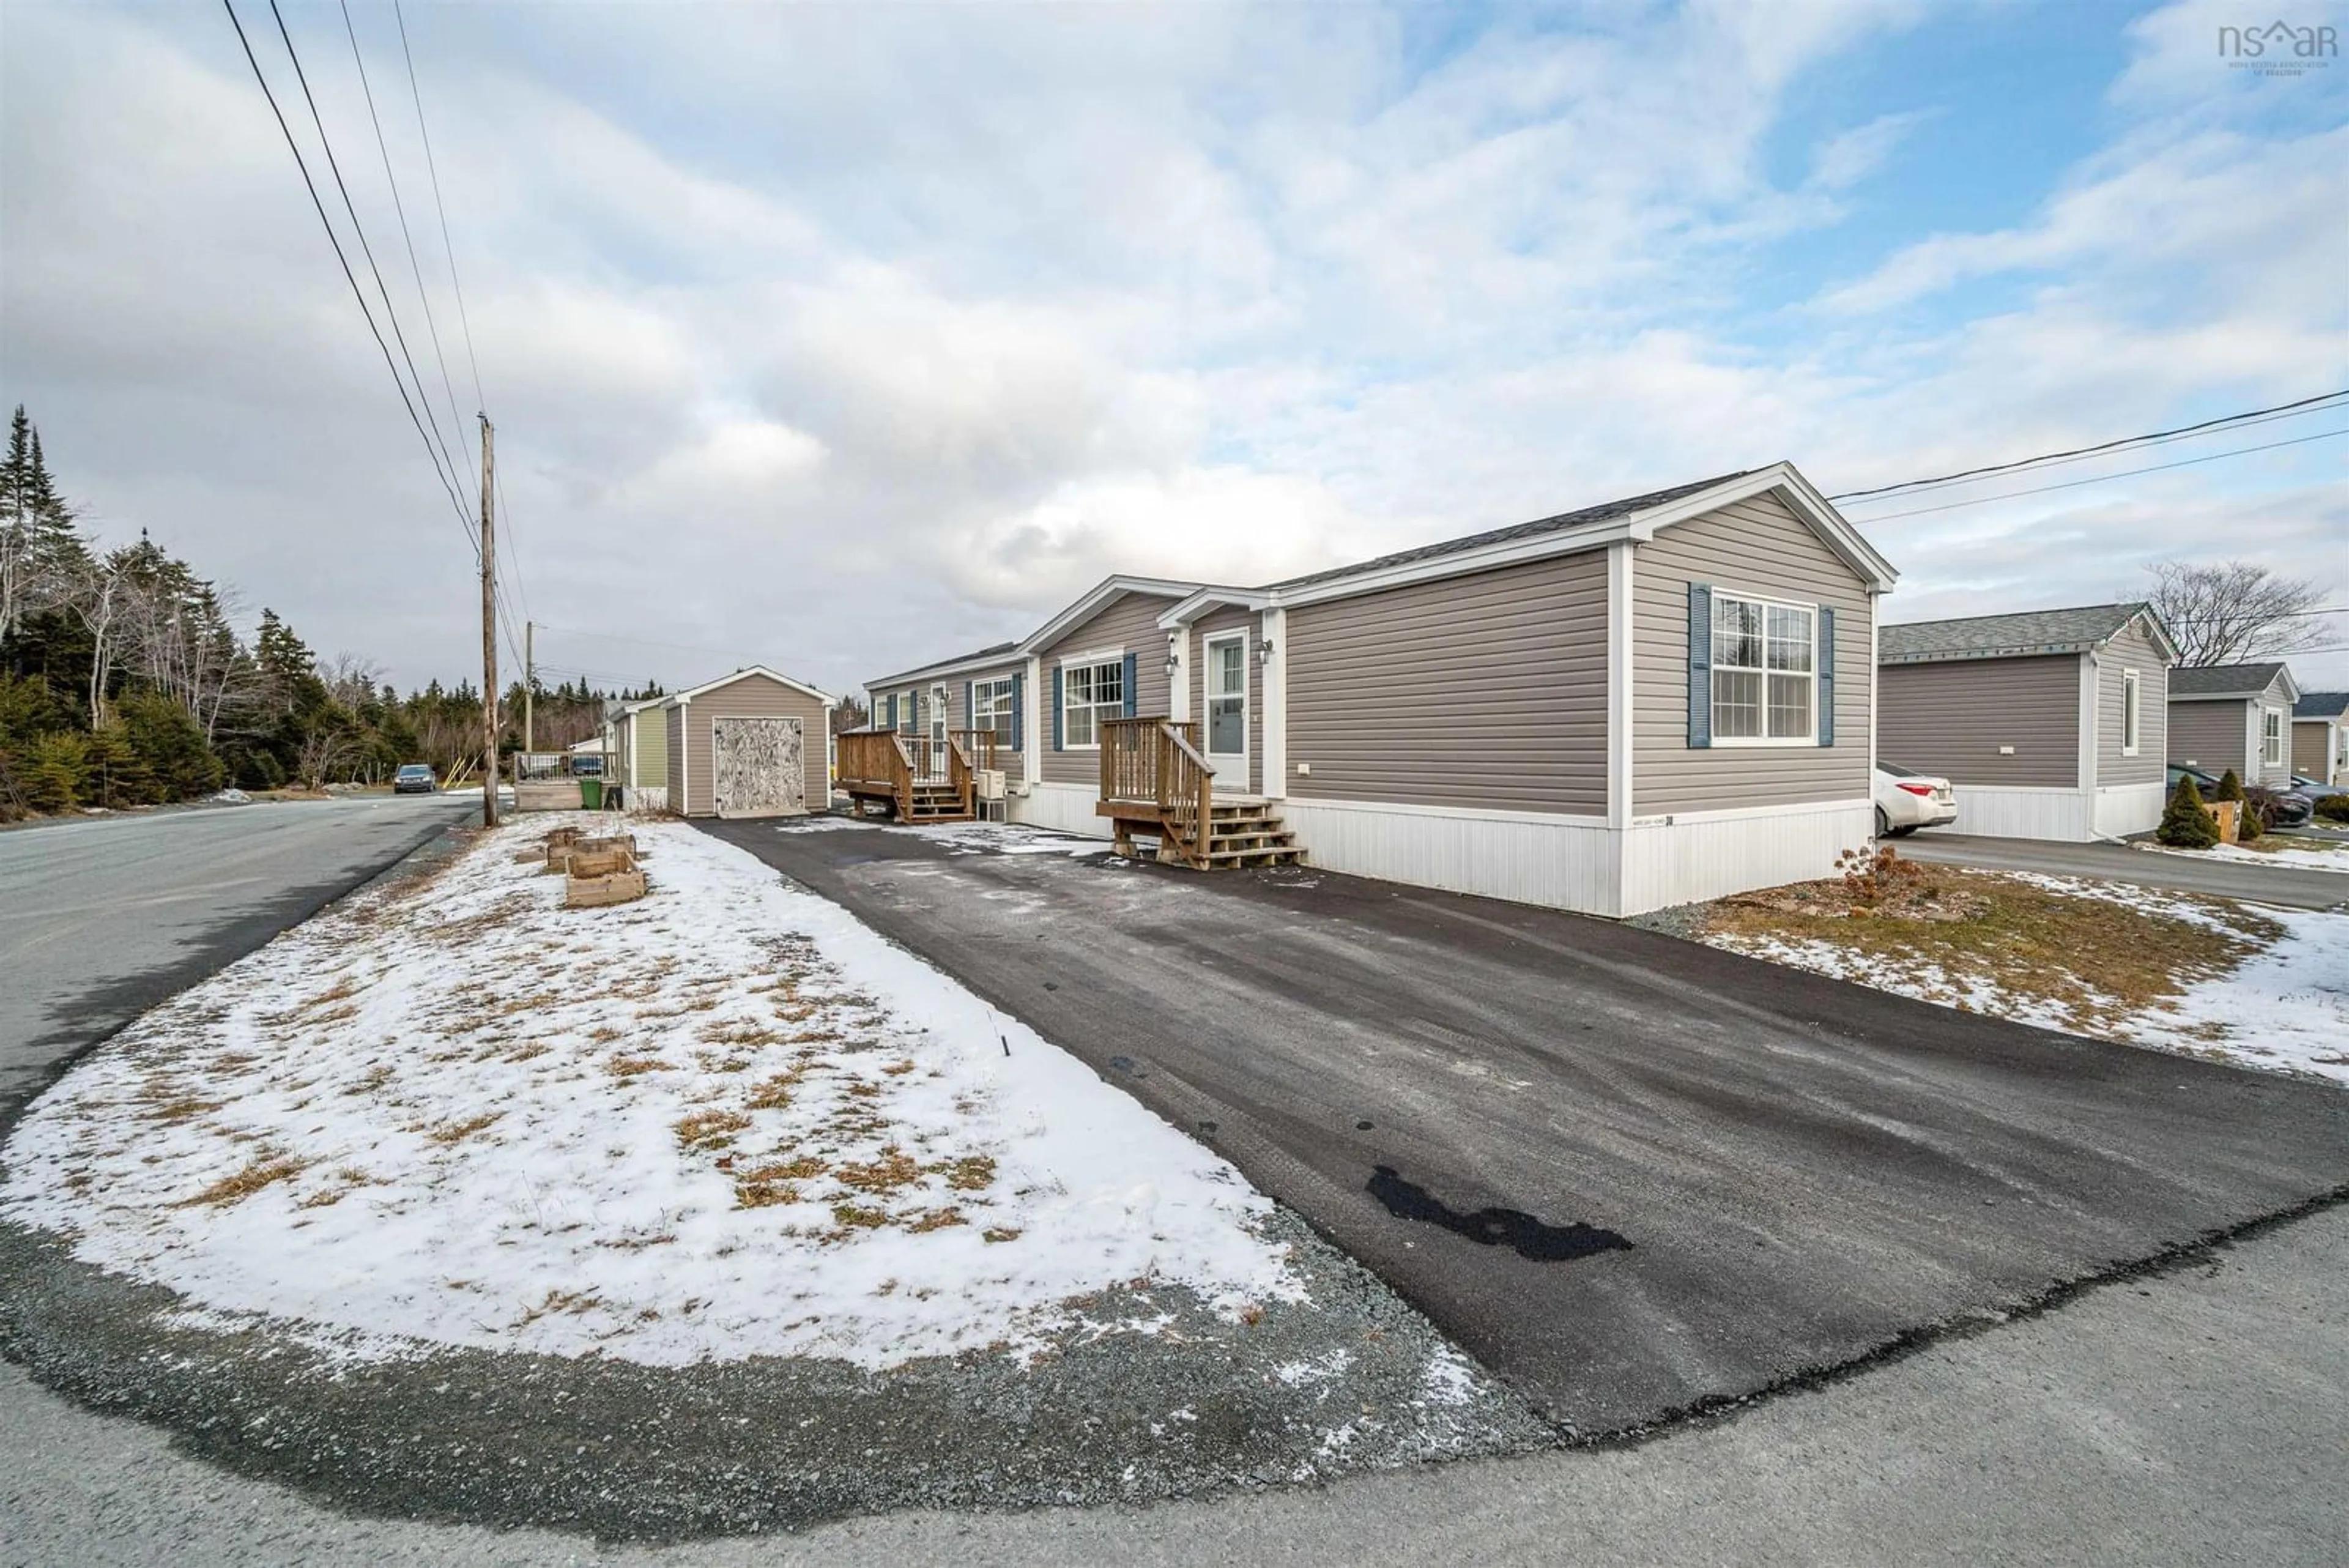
{"type": "Point", "coordinates": [266, 1171]}
{"type": "Point", "coordinates": [709, 1130]}
{"type": "Point", "coordinates": [893, 1169]}
{"type": "Point", "coordinates": [2093, 961]}
{"type": "Point", "coordinates": [634, 1066]}
{"type": "Point", "coordinates": [449, 1134]}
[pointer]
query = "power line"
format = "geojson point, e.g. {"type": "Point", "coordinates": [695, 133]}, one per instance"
{"type": "Point", "coordinates": [335, 168]}
{"type": "Point", "coordinates": [2102, 478]}
{"type": "Point", "coordinates": [433, 170]}
{"type": "Point", "coordinates": [640, 641]}
{"type": "Point", "coordinates": [357, 291]}
{"type": "Point", "coordinates": [2247, 417]}
{"type": "Point", "coordinates": [456, 420]}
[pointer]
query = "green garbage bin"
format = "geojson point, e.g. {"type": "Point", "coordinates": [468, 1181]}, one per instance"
{"type": "Point", "coordinates": [591, 794]}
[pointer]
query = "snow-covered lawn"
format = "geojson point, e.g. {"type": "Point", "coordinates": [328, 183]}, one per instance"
{"type": "Point", "coordinates": [726, 1120]}
{"type": "Point", "coordinates": [2254, 985]}
{"type": "Point", "coordinates": [2328, 857]}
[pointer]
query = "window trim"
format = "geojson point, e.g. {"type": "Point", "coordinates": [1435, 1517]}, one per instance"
{"type": "Point", "coordinates": [2132, 730]}
{"type": "Point", "coordinates": [1004, 688]}
{"type": "Point", "coordinates": [2270, 718]}
{"type": "Point", "coordinates": [1088, 661]}
{"type": "Point", "coordinates": [1809, 738]}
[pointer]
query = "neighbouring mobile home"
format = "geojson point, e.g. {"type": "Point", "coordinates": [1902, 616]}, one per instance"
{"type": "Point", "coordinates": [2319, 737]}
{"type": "Point", "coordinates": [2236, 716]}
{"type": "Point", "coordinates": [2049, 724]}
{"type": "Point", "coordinates": [1656, 700]}
{"type": "Point", "coordinates": [752, 743]}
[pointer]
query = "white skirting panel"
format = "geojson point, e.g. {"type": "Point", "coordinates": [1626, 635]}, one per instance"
{"type": "Point", "coordinates": [2058, 813]}
{"type": "Point", "coordinates": [1562, 862]}
{"type": "Point", "coordinates": [2124, 809]}
{"type": "Point", "coordinates": [1689, 860]}
{"type": "Point", "coordinates": [1066, 807]}
{"type": "Point", "coordinates": [650, 800]}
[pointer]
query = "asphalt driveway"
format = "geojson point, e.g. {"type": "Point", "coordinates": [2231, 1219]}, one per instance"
{"type": "Point", "coordinates": [2292, 886]}
{"type": "Point", "coordinates": [1635, 1176]}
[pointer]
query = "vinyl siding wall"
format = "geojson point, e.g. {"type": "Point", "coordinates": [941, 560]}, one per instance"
{"type": "Point", "coordinates": [650, 729]}
{"type": "Point", "coordinates": [1129, 623]}
{"type": "Point", "coordinates": [2311, 749]}
{"type": "Point", "coordinates": [1952, 717]}
{"type": "Point", "coordinates": [2211, 736]}
{"type": "Point", "coordinates": [2132, 649]}
{"type": "Point", "coordinates": [1760, 547]}
{"type": "Point", "coordinates": [1486, 691]}
{"type": "Point", "coordinates": [1229, 619]}
{"type": "Point", "coordinates": [672, 723]}
{"type": "Point", "coordinates": [752, 697]}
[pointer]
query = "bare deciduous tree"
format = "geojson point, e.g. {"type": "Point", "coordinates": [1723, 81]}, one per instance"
{"type": "Point", "coordinates": [352, 680]}
{"type": "Point", "coordinates": [2233, 612]}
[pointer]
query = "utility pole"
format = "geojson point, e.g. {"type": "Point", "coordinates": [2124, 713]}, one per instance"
{"type": "Point", "coordinates": [529, 679]}
{"type": "Point", "coordinates": [488, 631]}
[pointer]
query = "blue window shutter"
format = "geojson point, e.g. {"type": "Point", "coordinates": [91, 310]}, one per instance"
{"type": "Point", "coordinates": [887, 717]}
{"type": "Point", "coordinates": [1059, 695]}
{"type": "Point", "coordinates": [970, 704]}
{"type": "Point", "coordinates": [1018, 714]}
{"type": "Point", "coordinates": [1130, 693]}
{"type": "Point", "coordinates": [1700, 665]}
{"type": "Point", "coordinates": [1826, 676]}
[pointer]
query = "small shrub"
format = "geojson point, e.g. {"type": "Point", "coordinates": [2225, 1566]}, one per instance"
{"type": "Point", "coordinates": [2334, 809]}
{"type": "Point", "coordinates": [54, 771]}
{"type": "Point", "coordinates": [1876, 877]}
{"type": "Point", "coordinates": [2186, 822]}
{"type": "Point", "coordinates": [2263, 809]}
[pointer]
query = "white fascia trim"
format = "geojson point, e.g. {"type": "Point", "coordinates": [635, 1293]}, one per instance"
{"type": "Point", "coordinates": [1157, 587]}
{"type": "Point", "coordinates": [1800, 495]}
{"type": "Point", "coordinates": [1207, 599]}
{"type": "Point", "coordinates": [1805, 501]}
{"type": "Point", "coordinates": [2090, 676]}
{"type": "Point", "coordinates": [2153, 626]}
{"type": "Point", "coordinates": [1461, 813]}
{"type": "Point", "coordinates": [775, 675]}
{"type": "Point", "coordinates": [1089, 655]}
{"type": "Point", "coordinates": [1005, 659]}
{"type": "Point", "coordinates": [1273, 624]}
{"type": "Point", "coordinates": [1619, 567]}
{"type": "Point", "coordinates": [1031, 723]}
{"type": "Point", "coordinates": [1759, 813]}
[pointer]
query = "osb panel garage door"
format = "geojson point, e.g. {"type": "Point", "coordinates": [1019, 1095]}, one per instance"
{"type": "Point", "coordinates": [760, 767]}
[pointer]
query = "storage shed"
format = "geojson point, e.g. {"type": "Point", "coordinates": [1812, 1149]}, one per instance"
{"type": "Point", "coordinates": [752, 743]}
{"type": "Point", "coordinates": [636, 742]}
{"type": "Point", "coordinates": [2319, 737]}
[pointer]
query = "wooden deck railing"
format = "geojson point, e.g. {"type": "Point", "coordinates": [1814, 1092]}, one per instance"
{"type": "Point", "coordinates": [981, 748]}
{"type": "Point", "coordinates": [870, 757]}
{"type": "Point", "coordinates": [1154, 765]}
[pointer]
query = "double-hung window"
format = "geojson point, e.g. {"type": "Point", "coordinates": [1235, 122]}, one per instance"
{"type": "Point", "coordinates": [2272, 737]}
{"type": "Point", "coordinates": [2129, 712]}
{"type": "Point", "coordinates": [990, 710]}
{"type": "Point", "coordinates": [1090, 693]}
{"type": "Point", "coordinates": [1765, 671]}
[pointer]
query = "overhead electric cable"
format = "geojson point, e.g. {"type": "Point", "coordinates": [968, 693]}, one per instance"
{"type": "Point", "coordinates": [456, 420]}
{"type": "Point", "coordinates": [2102, 478]}
{"type": "Point", "coordinates": [432, 168]}
{"type": "Point", "coordinates": [2247, 417]}
{"type": "Point", "coordinates": [357, 291]}
{"type": "Point", "coordinates": [334, 167]}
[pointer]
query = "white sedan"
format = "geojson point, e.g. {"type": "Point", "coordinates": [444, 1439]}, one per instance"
{"type": "Point", "coordinates": [1906, 801]}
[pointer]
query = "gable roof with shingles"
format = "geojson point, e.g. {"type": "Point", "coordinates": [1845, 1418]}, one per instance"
{"type": "Point", "coordinates": [2022, 635]}
{"type": "Point", "coordinates": [2211, 682]}
{"type": "Point", "coordinates": [943, 666]}
{"type": "Point", "coordinates": [1599, 514]}
{"type": "Point", "coordinates": [2320, 705]}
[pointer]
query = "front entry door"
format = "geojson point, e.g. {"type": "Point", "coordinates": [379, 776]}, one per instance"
{"type": "Point", "coordinates": [1226, 712]}
{"type": "Point", "coordinates": [760, 767]}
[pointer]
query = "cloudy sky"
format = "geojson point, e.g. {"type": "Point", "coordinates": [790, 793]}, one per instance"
{"type": "Point", "coordinates": [841, 337]}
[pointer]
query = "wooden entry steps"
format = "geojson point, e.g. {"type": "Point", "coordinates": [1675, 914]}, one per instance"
{"type": "Point", "coordinates": [935, 803]}
{"type": "Point", "coordinates": [1247, 833]}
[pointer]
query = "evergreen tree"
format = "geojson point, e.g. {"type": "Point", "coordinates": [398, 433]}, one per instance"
{"type": "Point", "coordinates": [2185, 824]}
{"type": "Point", "coordinates": [2247, 816]}
{"type": "Point", "coordinates": [51, 776]}
{"type": "Point", "coordinates": [171, 746]}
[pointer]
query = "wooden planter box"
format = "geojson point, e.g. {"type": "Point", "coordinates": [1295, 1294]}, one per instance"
{"type": "Point", "coordinates": [2229, 814]}
{"type": "Point", "coordinates": [589, 892]}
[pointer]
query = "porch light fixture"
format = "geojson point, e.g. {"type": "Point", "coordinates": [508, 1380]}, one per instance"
{"type": "Point", "coordinates": [1264, 652]}
{"type": "Point", "coordinates": [1174, 650]}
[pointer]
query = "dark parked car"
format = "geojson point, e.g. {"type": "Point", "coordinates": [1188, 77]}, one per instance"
{"type": "Point", "coordinates": [414, 778]}
{"type": "Point", "coordinates": [2315, 789]}
{"type": "Point", "coordinates": [2282, 808]}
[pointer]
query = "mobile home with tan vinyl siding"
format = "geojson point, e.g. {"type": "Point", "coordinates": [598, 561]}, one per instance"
{"type": "Point", "coordinates": [2320, 736]}
{"type": "Point", "coordinates": [2235, 716]}
{"type": "Point", "coordinates": [2049, 724]}
{"type": "Point", "coordinates": [1522, 713]}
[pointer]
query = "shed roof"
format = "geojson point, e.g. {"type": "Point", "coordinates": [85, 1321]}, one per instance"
{"type": "Point", "coordinates": [2020, 635]}
{"type": "Point", "coordinates": [2211, 682]}
{"type": "Point", "coordinates": [2320, 705]}
{"type": "Point", "coordinates": [681, 699]}
{"type": "Point", "coordinates": [941, 666]}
